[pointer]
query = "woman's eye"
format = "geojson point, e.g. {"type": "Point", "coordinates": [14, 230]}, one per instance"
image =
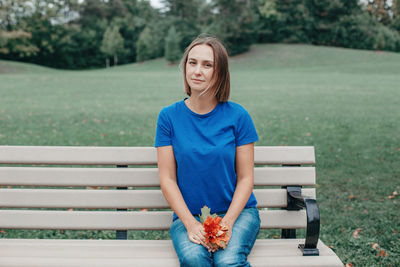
{"type": "Point", "coordinates": [192, 63]}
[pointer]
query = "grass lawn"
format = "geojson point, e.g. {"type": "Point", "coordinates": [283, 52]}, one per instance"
{"type": "Point", "coordinates": [344, 102]}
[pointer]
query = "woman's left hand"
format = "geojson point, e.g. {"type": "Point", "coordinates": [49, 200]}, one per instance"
{"type": "Point", "coordinates": [228, 225]}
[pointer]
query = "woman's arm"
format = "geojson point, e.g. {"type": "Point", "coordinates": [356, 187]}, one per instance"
{"type": "Point", "coordinates": [245, 182]}
{"type": "Point", "coordinates": [170, 189]}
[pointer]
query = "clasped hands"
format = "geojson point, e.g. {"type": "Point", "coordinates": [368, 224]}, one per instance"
{"type": "Point", "coordinates": [195, 232]}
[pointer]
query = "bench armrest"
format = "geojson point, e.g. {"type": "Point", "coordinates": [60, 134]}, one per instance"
{"type": "Point", "coordinates": [297, 201]}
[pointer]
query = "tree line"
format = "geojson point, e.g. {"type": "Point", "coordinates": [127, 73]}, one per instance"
{"type": "Point", "coordinates": [80, 34]}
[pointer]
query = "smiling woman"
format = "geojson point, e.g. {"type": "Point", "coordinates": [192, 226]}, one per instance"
{"type": "Point", "coordinates": [205, 149]}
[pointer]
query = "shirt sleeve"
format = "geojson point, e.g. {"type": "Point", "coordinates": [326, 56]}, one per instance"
{"type": "Point", "coordinates": [163, 131]}
{"type": "Point", "coordinates": [245, 130]}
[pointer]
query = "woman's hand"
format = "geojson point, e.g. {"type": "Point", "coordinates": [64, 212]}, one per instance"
{"type": "Point", "coordinates": [195, 232]}
{"type": "Point", "coordinates": [228, 225]}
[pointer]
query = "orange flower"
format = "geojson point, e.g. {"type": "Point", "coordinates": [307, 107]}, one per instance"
{"type": "Point", "coordinates": [215, 233]}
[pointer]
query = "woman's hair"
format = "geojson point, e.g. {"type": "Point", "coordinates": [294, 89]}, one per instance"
{"type": "Point", "coordinates": [220, 84]}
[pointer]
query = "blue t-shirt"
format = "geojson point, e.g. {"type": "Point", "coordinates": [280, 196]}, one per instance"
{"type": "Point", "coordinates": [204, 146]}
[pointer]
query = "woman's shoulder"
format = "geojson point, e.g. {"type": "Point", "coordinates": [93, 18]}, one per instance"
{"type": "Point", "coordinates": [234, 107]}
{"type": "Point", "coordinates": [172, 108]}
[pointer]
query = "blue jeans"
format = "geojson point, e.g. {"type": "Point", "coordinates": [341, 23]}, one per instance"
{"type": "Point", "coordinates": [244, 234]}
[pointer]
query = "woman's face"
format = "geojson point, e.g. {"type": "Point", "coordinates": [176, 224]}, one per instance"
{"type": "Point", "coordinates": [199, 68]}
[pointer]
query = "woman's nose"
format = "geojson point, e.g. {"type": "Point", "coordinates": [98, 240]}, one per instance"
{"type": "Point", "coordinates": [197, 69]}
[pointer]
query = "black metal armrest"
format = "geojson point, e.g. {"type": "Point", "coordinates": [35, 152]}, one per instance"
{"type": "Point", "coordinates": [297, 201]}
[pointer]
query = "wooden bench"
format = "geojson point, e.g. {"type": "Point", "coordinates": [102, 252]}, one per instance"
{"type": "Point", "coordinates": [37, 193]}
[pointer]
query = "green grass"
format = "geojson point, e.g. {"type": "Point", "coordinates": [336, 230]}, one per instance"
{"type": "Point", "coordinates": [344, 102]}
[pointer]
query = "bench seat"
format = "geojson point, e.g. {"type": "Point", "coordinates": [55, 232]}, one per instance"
{"type": "Point", "coordinates": [68, 253]}
{"type": "Point", "coordinates": [117, 188]}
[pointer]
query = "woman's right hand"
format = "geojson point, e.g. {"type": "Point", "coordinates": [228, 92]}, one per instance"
{"type": "Point", "coordinates": [195, 232]}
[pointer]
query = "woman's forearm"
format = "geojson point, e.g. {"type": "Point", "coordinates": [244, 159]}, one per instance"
{"type": "Point", "coordinates": [242, 194]}
{"type": "Point", "coordinates": [245, 182]}
{"type": "Point", "coordinates": [175, 200]}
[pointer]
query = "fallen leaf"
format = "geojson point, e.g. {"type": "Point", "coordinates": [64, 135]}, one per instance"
{"type": "Point", "coordinates": [395, 193]}
{"type": "Point", "coordinates": [276, 236]}
{"type": "Point", "coordinates": [349, 265]}
{"type": "Point", "coordinates": [374, 245]}
{"type": "Point", "coordinates": [330, 246]}
{"type": "Point", "coordinates": [382, 253]}
{"type": "Point", "coordinates": [70, 209]}
{"type": "Point", "coordinates": [356, 232]}
{"type": "Point", "coordinates": [144, 210]}
{"type": "Point", "coordinates": [395, 232]}
{"type": "Point", "coordinates": [2, 231]}
{"type": "Point", "coordinates": [391, 197]}
{"type": "Point", "coordinates": [352, 197]}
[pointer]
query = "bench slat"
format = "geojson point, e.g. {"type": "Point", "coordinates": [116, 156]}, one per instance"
{"type": "Point", "coordinates": [274, 252]}
{"type": "Point", "coordinates": [126, 177]}
{"type": "Point", "coordinates": [130, 220]}
{"type": "Point", "coordinates": [112, 199]}
{"type": "Point", "coordinates": [69, 155]}
{"type": "Point", "coordinates": [269, 176]}
{"type": "Point", "coordinates": [302, 155]}
{"type": "Point", "coordinates": [61, 176]}
{"type": "Point", "coordinates": [75, 155]}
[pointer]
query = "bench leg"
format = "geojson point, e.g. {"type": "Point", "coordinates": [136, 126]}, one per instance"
{"type": "Point", "coordinates": [288, 233]}
{"type": "Point", "coordinates": [122, 234]}
{"type": "Point", "coordinates": [297, 202]}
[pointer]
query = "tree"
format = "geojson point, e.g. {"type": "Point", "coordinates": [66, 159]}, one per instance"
{"type": "Point", "coordinates": [380, 9]}
{"type": "Point", "coordinates": [184, 16]}
{"type": "Point", "coordinates": [17, 43]}
{"type": "Point", "coordinates": [144, 49]}
{"type": "Point", "coordinates": [235, 23]}
{"type": "Point", "coordinates": [172, 51]}
{"type": "Point", "coordinates": [293, 22]}
{"type": "Point", "coordinates": [396, 15]}
{"type": "Point", "coordinates": [112, 44]}
{"type": "Point", "coordinates": [324, 15]}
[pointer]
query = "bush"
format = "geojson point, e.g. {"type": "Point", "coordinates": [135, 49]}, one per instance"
{"type": "Point", "coordinates": [363, 32]}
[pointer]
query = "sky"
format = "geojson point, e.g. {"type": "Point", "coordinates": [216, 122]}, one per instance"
{"type": "Point", "coordinates": [156, 3]}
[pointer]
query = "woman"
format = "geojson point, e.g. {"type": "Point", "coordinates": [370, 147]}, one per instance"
{"type": "Point", "coordinates": [205, 149]}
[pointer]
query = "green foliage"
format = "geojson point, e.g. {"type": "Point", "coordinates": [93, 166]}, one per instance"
{"type": "Point", "coordinates": [324, 15]}
{"type": "Point", "coordinates": [71, 34]}
{"type": "Point", "coordinates": [184, 15]}
{"type": "Point", "coordinates": [380, 9]}
{"type": "Point", "coordinates": [351, 29]}
{"type": "Point", "coordinates": [284, 21]}
{"type": "Point", "coordinates": [112, 43]}
{"type": "Point", "coordinates": [17, 43]}
{"type": "Point", "coordinates": [144, 46]}
{"type": "Point", "coordinates": [396, 15]}
{"type": "Point", "coordinates": [205, 212]}
{"type": "Point", "coordinates": [235, 24]}
{"type": "Point", "coordinates": [172, 51]}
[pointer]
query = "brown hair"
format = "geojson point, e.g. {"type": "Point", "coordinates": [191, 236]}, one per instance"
{"type": "Point", "coordinates": [220, 85]}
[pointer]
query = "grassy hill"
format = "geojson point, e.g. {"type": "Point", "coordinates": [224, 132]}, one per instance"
{"type": "Point", "coordinates": [344, 102]}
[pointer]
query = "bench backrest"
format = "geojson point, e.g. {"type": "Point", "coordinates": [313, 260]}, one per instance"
{"type": "Point", "coordinates": [82, 187]}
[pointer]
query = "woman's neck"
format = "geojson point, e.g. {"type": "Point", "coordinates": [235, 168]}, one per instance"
{"type": "Point", "coordinates": [201, 104]}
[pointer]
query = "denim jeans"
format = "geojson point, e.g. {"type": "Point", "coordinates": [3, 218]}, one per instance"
{"type": "Point", "coordinates": [244, 234]}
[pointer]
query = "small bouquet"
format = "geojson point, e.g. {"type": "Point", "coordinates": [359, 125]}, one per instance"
{"type": "Point", "coordinates": [216, 234]}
